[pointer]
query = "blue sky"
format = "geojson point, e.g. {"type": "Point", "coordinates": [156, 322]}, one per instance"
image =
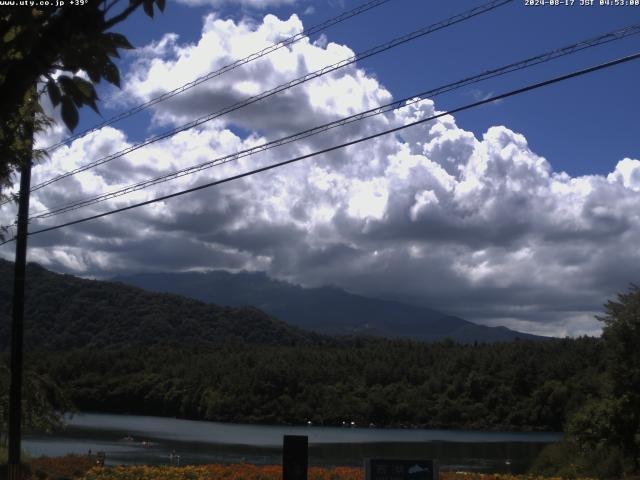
{"type": "Point", "coordinates": [521, 213]}
{"type": "Point", "coordinates": [567, 123]}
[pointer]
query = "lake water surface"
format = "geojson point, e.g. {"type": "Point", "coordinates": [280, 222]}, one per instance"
{"type": "Point", "coordinates": [130, 439]}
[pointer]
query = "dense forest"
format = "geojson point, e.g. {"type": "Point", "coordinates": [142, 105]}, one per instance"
{"type": "Point", "coordinates": [516, 385]}
{"type": "Point", "coordinates": [116, 348]}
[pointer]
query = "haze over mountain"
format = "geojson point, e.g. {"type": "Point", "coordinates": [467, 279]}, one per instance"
{"type": "Point", "coordinates": [326, 310]}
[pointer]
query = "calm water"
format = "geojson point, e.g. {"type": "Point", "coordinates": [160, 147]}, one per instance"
{"type": "Point", "coordinates": [129, 439]}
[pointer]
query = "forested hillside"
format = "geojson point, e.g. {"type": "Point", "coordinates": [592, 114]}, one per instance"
{"type": "Point", "coordinates": [63, 312]}
{"type": "Point", "coordinates": [119, 349]}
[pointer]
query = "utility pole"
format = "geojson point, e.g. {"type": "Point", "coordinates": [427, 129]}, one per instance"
{"type": "Point", "coordinates": [17, 319]}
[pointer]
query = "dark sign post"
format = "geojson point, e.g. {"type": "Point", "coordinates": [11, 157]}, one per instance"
{"type": "Point", "coordinates": [400, 469]}
{"type": "Point", "coordinates": [295, 457]}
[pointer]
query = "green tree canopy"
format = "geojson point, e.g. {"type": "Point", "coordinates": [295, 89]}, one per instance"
{"type": "Point", "coordinates": [43, 404]}
{"type": "Point", "coordinates": [52, 45]}
{"type": "Point", "coordinates": [621, 334]}
{"type": "Point", "coordinates": [605, 432]}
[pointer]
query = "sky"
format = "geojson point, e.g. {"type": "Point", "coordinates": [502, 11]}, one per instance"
{"type": "Point", "coordinates": [522, 212]}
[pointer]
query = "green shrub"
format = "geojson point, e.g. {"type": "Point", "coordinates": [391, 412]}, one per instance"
{"type": "Point", "coordinates": [566, 460]}
{"type": "Point", "coordinates": [556, 458]}
{"type": "Point", "coordinates": [4, 456]}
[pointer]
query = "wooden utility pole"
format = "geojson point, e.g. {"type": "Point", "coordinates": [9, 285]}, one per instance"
{"type": "Point", "coordinates": [17, 319]}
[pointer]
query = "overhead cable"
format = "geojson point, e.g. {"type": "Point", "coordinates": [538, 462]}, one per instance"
{"type": "Point", "coordinates": [221, 71]}
{"type": "Point", "coordinates": [401, 103]}
{"type": "Point", "coordinates": [292, 83]}
{"type": "Point", "coordinates": [350, 143]}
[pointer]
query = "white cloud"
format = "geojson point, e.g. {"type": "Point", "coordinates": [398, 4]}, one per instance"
{"type": "Point", "coordinates": [479, 227]}
{"type": "Point", "coordinates": [222, 42]}
{"type": "Point", "coordinates": [256, 4]}
{"type": "Point", "coordinates": [627, 173]}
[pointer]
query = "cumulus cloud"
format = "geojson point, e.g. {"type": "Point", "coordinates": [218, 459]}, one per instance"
{"type": "Point", "coordinates": [256, 4]}
{"type": "Point", "coordinates": [345, 91]}
{"type": "Point", "coordinates": [627, 173]}
{"type": "Point", "coordinates": [479, 227]}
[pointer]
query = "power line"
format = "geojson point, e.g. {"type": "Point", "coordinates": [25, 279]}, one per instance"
{"type": "Point", "coordinates": [350, 143]}
{"type": "Point", "coordinates": [268, 93]}
{"type": "Point", "coordinates": [529, 62]}
{"type": "Point", "coordinates": [8, 241]}
{"type": "Point", "coordinates": [227, 68]}
{"type": "Point", "coordinates": [323, 71]}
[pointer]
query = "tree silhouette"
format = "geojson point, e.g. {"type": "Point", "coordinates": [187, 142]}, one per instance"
{"type": "Point", "coordinates": [51, 46]}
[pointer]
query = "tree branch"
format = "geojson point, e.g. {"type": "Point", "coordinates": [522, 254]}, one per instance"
{"type": "Point", "coordinates": [109, 6]}
{"type": "Point", "coordinates": [122, 15]}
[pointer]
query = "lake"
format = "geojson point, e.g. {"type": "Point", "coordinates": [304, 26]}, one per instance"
{"type": "Point", "coordinates": [131, 439]}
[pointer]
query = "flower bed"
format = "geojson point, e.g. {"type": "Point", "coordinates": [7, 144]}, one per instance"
{"type": "Point", "coordinates": [67, 467]}
{"type": "Point", "coordinates": [253, 472]}
{"type": "Point", "coordinates": [217, 472]}
{"type": "Point", "coordinates": [76, 467]}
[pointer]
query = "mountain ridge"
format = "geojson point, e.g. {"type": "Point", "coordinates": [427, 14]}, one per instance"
{"type": "Point", "coordinates": [327, 310]}
{"type": "Point", "coordinates": [66, 312]}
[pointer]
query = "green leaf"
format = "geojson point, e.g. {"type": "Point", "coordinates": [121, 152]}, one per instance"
{"type": "Point", "coordinates": [54, 92]}
{"type": "Point", "coordinates": [148, 7]}
{"type": "Point", "coordinates": [93, 65]}
{"type": "Point", "coordinates": [69, 113]}
{"type": "Point", "coordinates": [160, 4]}
{"type": "Point", "coordinates": [67, 86]}
{"type": "Point", "coordinates": [89, 92]}
{"type": "Point", "coordinates": [86, 88]}
{"type": "Point", "coordinates": [118, 41]}
{"type": "Point", "coordinates": [92, 104]}
{"type": "Point", "coordinates": [71, 58]}
{"type": "Point", "coordinates": [9, 36]}
{"type": "Point", "coordinates": [71, 90]}
{"type": "Point", "coordinates": [110, 73]}
{"type": "Point", "coordinates": [93, 71]}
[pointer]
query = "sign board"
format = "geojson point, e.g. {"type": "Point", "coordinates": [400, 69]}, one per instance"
{"type": "Point", "coordinates": [295, 457]}
{"type": "Point", "coordinates": [400, 469]}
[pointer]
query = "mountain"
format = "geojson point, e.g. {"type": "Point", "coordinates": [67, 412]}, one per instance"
{"type": "Point", "coordinates": [65, 312]}
{"type": "Point", "coordinates": [326, 310]}
{"type": "Point", "coordinates": [120, 349]}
